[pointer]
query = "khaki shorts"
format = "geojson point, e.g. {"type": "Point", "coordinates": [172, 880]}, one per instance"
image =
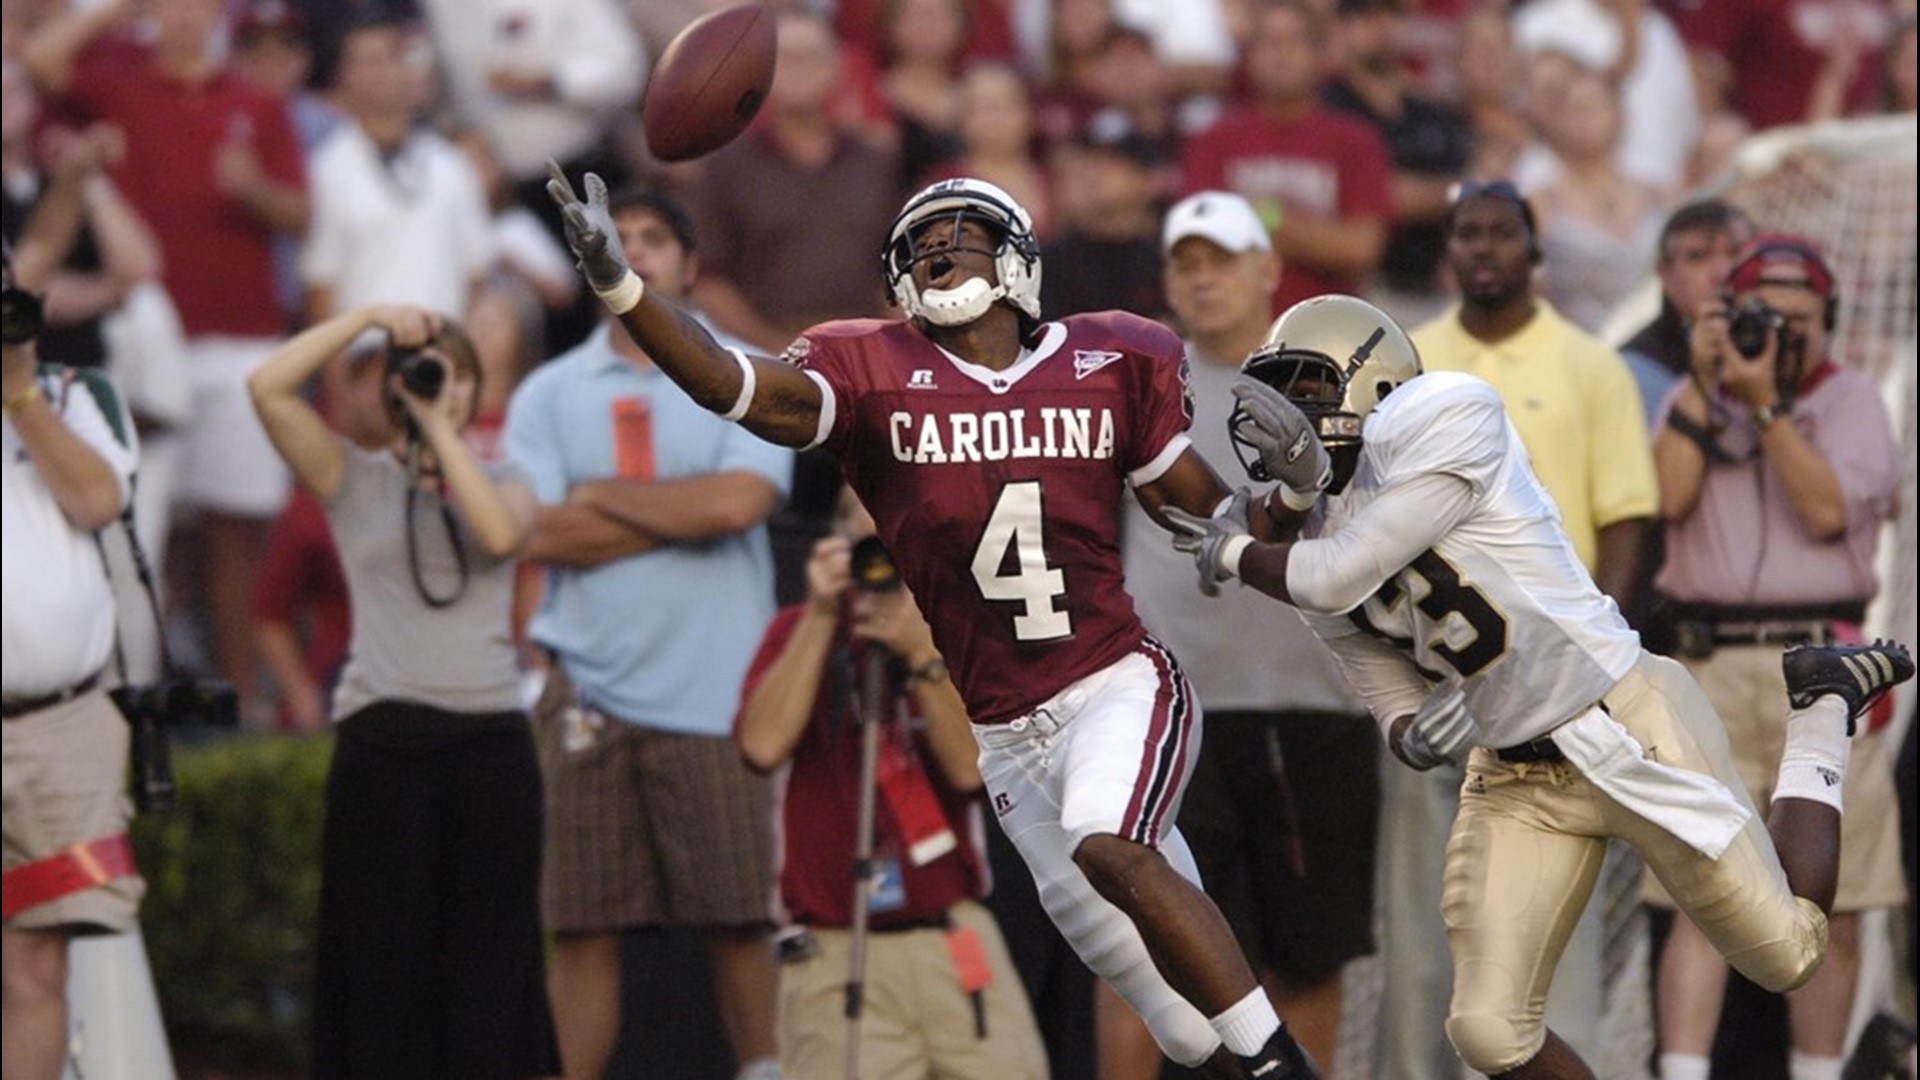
{"type": "Point", "coordinates": [917, 1021]}
{"type": "Point", "coordinates": [65, 783]}
{"type": "Point", "coordinates": [648, 828]}
{"type": "Point", "coordinates": [1526, 851]}
{"type": "Point", "coordinates": [1749, 693]}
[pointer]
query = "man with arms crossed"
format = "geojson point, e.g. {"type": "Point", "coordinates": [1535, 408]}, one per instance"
{"type": "Point", "coordinates": [1437, 571]}
{"type": "Point", "coordinates": [992, 451]}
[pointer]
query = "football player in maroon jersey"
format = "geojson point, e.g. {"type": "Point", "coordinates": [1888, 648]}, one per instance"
{"type": "Point", "coordinates": [992, 450]}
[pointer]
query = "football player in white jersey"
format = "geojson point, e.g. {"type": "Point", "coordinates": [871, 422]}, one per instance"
{"type": "Point", "coordinates": [1435, 568]}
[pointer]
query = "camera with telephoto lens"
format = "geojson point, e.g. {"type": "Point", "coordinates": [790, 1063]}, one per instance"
{"type": "Point", "coordinates": [872, 567]}
{"type": "Point", "coordinates": [152, 712]}
{"type": "Point", "coordinates": [424, 376]}
{"type": "Point", "coordinates": [1751, 324]}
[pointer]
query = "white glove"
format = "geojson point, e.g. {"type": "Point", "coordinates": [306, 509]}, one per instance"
{"type": "Point", "coordinates": [1441, 733]}
{"type": "Point", "coordinates": [1289, 450]}
{"type": "Point", "coordinates": [1214, 542]}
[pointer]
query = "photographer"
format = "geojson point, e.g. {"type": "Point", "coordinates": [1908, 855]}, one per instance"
{"type": "Point", "coordinates": [69, 460]}
{"type": "Point", "coordinates": [1776, 468]}
{"type": "Point", "coordinates": [428, 960]}
{"type": "Point", "coordinates": [941, 996]}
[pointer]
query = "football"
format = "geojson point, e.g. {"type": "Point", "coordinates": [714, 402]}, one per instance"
{"type": "Point", "coordinates": [709, 83]}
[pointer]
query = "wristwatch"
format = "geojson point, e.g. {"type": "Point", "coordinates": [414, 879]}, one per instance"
{"type": "Point", "coordinates": [932, 671]}
{"type": "Point", "coordinates": [1765, 415]}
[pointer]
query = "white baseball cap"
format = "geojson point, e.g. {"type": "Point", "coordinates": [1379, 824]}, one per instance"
{"type": "Point", "coordinates": [1220, 216]}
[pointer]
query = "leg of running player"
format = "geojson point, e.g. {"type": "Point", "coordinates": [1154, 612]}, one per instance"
{"type": "Point", "coordinates": [1524, 856]}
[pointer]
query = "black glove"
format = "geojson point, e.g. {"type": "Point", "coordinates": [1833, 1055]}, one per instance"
{"type": "Point", "coordinates": [589, 228]}
{"type": "Point", "coordinates": [1283, 436]}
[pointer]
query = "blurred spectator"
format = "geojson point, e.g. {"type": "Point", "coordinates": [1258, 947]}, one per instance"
{"type": "Point", "coordinates": [1285, 799]}
{"type": "Point", "coordinates": [1597, 224]}
{"type": "Point", "coordinates": [1192, 39]}
{"type": "Point", "coordinates": [1321, 180]}
{"type": "Point", "coordinates": [67, 454]}
{"type": "Point", "coordinates": [427, 959]}
{"type": "Point", "coordinates": [113, 249]}
{"type": "Point", "coordinates": [302, 619]}
{"type": "Point", "coordinates": [1901, 87]}
{"type": "Point", "coordinates": [398, 216]}
{"type": "Point", "coordinates": [523, 250]}
{"type": "Point", "coordinates": [271, 50]}
{"type": "Point", "coordinates": [1121, 83]}
{"type": "Point", "coordinates": [791, 215]}
{"type": "Point", "coordinates": [1057, 47]}
{"type": "Point", "coordinates": [1777, 469]}
{"type": "Point", "coordinates": [862, 26]}
{"type": "Point", "coordinates": [542, 78]}
{"type": "Point", "coordinates": [325, 22]}
{"type": "Point", "coordinates": [1636, 46]}
{"type": "Point", "coordinates": [996, 141]}
{"type": "Point", "coordinates": [659, 581]}
{"type": "Point", "coordinates": [919, 80]}
{"type": "Point", "coordinates": [214, 166]}
{"type": "Point", "coordinates": [1430, 145]}
{"type": "Point", "coordinates": [941, 994]}
{"type": "Point", "coordinates": [1574, 405]}
{"type": "Point", "coordinates": [1697, 247]}
{"type": "Point", "coordinates": [1787, 61]}
{"type": "Point", "coordinates": [1107, 253]}
{"type": "Point", "coordinates": [1491, 88]}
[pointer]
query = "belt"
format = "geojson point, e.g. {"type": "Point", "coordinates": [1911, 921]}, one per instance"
{"type": "Point", "coordinates": [1539, 750]}
{"type": "Point", "coordinates": [1774, 632]}
{"type": "Point", "coordinates": [905, 926]}
{"type": "Point", "coordinates": [13, 708]}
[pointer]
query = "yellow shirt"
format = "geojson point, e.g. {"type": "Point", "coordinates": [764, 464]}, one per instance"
{"type": "Point", "coordinates": [1575, 405]}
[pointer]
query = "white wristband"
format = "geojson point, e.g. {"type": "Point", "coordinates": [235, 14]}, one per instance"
{"type": "Point", "coordinates": [1231, 551]}
{"type": "Point", "coordinates": [745, 401]}
{"type": "Point", "coordinates": [621, 298]}
{"type": "Point", "coordinates": [1298, 501]}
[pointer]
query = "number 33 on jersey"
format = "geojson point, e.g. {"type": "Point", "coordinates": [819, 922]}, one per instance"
{"type": "Point", "coordinates": [998, 492]}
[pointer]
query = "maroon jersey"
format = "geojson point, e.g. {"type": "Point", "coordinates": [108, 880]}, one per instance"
{"type": "Point", "coordinates": [998, 492]}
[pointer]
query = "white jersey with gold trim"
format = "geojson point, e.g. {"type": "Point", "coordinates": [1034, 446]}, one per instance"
{"type": "Point", "coordinates": [1500, 603]}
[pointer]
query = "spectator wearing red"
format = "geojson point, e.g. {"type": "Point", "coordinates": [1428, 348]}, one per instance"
{"type": "Point", "coordinates": [1787, 61]}
{"type": "Point", "coordinates": [942, 997]}
{"type": "Point", "coordinates": [214, 166]}
{"type": "Point", "coordinates": [1321, 180]}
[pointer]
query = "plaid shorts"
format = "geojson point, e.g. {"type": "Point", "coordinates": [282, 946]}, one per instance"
{"type": "Point", "coordinates": [645, 827]}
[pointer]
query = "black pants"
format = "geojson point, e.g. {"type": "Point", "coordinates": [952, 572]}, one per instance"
{"type": "Point", "coordinates": [429, 954]}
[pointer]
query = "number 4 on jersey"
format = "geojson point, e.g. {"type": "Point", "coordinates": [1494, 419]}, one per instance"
{"type": "Point", "coordinates": [1016, 522]}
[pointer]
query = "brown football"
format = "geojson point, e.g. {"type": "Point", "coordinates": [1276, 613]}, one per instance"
{"type": "Point", "coordinates": [709, 82]}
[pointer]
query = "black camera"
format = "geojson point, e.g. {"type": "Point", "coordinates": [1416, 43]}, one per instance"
{"type": "Point", "coordinates": [152, 711]}
{"type": "Point", "coordinates": [872, 567]}
{"type": "Point", "coordinates": [1751, 324]}
{"type": "Point", "coordinates": [424, 376]}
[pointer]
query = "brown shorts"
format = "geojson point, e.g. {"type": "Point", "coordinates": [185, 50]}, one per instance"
{"type": "Point", "coordinates": [65, 784]}
{"type": "Point", "coordinates": [1748, 691]}
{"type": "Point", "coordinates": [647, 828]}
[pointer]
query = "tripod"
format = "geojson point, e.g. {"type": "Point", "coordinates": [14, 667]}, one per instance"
{"type": "Point", "coordinates": [877, 690]}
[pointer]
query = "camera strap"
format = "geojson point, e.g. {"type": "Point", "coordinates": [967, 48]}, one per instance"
{"type": "Point", "coordinates": [413, 536]}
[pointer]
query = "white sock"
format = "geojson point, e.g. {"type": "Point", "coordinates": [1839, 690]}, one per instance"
{"type": "Point", "coordinates": [764, 1068]}
{"type": "Point", "coordinates": [1247, 1023]}
{"type": "Point", "coordinates": [1807, 1067]}
{"type": "Point", "coordinates": [1685, 1067]}
{"type": "Point", "coordinates": [1814, 763]}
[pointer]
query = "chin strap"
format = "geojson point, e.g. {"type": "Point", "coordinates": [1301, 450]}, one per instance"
{"type": "Point", "coordinates": [961, 304]}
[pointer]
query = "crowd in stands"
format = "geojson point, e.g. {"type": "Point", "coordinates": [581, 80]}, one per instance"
{"type": "Point", "coordinates": [255, 168]}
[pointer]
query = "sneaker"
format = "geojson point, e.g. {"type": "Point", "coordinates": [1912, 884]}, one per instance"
{"type": "Point", "coordinates": [1280, 1059]}
{"type": "Point", "coordinates": [1859, 674]}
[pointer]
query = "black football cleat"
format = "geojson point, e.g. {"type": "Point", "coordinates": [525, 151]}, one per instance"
{"type": "Point", "coordinates": [1858, 674]}
{"type": "Point", "coordinates": [1280, 1059]}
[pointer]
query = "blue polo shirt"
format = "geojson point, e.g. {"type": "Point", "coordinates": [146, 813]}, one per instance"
{"type": "Point", "coordinates": [661, 639]}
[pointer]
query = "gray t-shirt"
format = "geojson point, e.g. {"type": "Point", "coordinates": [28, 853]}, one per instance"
{"type": "Point", "coordinates": [460, 657]}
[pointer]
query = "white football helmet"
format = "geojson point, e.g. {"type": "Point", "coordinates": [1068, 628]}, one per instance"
{"type": "Point", "coordinates": [1335, 357]}
{"type": "Point", "coordinates": [1016, 258]}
